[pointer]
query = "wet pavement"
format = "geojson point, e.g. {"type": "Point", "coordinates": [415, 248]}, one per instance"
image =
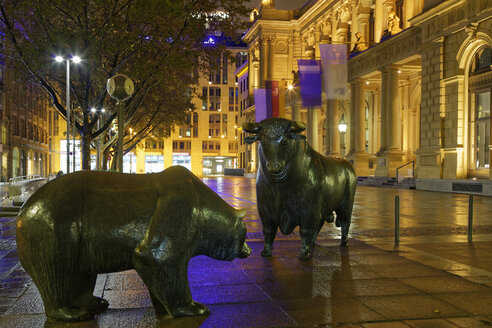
{"type": "Point", "coordinates": [433, 278]}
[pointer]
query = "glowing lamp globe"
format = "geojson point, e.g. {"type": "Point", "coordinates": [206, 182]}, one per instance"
{"type": "Point", "coordinates": [120, 87]}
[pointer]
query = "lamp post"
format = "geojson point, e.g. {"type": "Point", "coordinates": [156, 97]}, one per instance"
{"type": "Point", "coordinates": [342, 127]}
{"type": "Point", "coordinates": [76, 60]}
{"type": "Point", "coordinates": [120, 87]}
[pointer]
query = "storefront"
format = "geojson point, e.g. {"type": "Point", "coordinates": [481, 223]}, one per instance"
{"type": "Point", "coordinates": [216, 165]}
{"type": "Point", "coordinates": [154, 163]}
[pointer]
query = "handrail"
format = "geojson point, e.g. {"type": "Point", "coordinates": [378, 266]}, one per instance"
{"type": "Point", "coordinates": [24, 177]}
{"type": "Point", "coordinates": [413, 170]}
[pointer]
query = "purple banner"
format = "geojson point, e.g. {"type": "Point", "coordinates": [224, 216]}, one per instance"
{"type": "Point", "coordinates": [310, 81]}
{"type": "Point", "coordinates": [263, 104]}
{"type": "Point", "coordinates": [334, 67]}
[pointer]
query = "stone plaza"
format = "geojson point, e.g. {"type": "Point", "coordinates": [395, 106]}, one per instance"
{"type": "Point", "coordinates": [433, 278]}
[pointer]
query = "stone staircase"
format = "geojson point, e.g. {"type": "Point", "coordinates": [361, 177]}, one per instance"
{"type": "Point", "coordinates": [386, 182]}
{"type": "Point", "coordinates": [7, 211]}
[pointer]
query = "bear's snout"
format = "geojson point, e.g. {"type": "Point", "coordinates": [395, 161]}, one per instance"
{"type": "Point", "coordinates": [245, 251]}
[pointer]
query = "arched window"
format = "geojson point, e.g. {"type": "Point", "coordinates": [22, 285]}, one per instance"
{"type": "Point", "coordinates": [481, 61]}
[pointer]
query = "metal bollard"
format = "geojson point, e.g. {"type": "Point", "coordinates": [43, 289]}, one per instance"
{"type": "Point", "coordinates": [397, 220]}
{"type": "Point", "coordinates": [470, 218]}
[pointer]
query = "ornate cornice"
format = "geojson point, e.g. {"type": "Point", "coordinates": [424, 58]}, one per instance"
{"type": "Point", "coordinates": [401, 46]}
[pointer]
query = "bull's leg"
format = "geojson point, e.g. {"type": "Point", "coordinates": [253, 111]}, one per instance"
{"type": "Point", "coordinates": [344, 218]}
{"type": "Point", "coordinates": [308, 237]}
{"type": "Point", "coordinates": [269, 233]}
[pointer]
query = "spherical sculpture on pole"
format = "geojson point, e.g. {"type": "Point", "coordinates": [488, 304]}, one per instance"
{"type": "Point", "coordinates": [120, 87]}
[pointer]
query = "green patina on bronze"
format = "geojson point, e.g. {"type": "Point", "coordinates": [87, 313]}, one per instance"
{"type": "Point", "coordinates": [297, 186]}
{"type": "Point", "coordinates": [86, 223]}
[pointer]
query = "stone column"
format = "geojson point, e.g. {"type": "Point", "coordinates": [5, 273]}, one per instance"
{"type": "Point", "coordinates": [271, 55]}
{"type": "Point", "coordinates": [312, 127]}
{"type": "Point", "coordinates": [394, 117]}
{"type": "Point", "coordinates": [353, 121]}
{"type": "Point", "coordinates": [360, 146]}
{"type": "Point", "coordinates": [384, 110]}
{"type": "Point", "coordinates": [378, 20]}
{"type": "Point", "coordinates": [295, 106]}
{"type": "Point", "coordinates": [332, 131]}
{"type": "Point", "coordinates": [263, 61]}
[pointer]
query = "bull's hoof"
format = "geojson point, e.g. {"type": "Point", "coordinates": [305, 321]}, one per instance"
{"type": "Point", "coordinates": [70, 314]}
{"type": "Point", "coordinates": [344, 241]}
{"type": "Point", "coordinates": [192, 309]}
{"type": "Point", "coordinates": [266, 252]}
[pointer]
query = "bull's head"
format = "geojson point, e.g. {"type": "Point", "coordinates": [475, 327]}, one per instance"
{"type": "Point", "coordinates": [279, 139]}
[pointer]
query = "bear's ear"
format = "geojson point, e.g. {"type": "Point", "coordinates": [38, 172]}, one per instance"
{"type": "Point", "coordinates": [240, 214]}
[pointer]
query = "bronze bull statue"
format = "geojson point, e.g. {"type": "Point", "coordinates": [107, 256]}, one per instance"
{"type": "Point", "coordinates": [86, 223]}
{"type": "Point", "coordinates": [297, 186]}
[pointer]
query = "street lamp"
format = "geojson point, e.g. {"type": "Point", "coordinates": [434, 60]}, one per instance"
{"type": "Point", "coordinates": [342, 127]}
{"type": "Point", "coordinates": [76, 60]}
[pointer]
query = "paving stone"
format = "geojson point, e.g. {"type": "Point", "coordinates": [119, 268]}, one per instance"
{"type": "Point", "coordinates": [430, 323]}
{"type": "Point", "coordinates": [323, 310]}
{"type": "Point", "coordinates": [470, 322]}
{"type": "Point", "coordinates": [445, 284]}
{"type": "Point", "coordinates": [410, 307]}
{"type": "Point", "coordinates": [473, 302]}
{"type": "Point", "coordinates": [393, 324]}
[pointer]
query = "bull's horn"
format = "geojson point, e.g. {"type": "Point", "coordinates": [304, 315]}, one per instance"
{"type": "Point", "coordinates": [297, 126]}
{"type": "Point", "coordinates": [251, 127]}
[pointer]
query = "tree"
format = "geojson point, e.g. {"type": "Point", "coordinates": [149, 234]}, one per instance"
{"type": "Point", "coordinates": [157, 43]}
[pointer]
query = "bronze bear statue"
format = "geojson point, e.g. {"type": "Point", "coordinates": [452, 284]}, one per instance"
{"type": "Point", "coordinates": [86, 223]}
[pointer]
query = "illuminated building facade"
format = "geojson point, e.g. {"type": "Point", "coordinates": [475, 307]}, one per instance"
{"type": "Point", "coordinates": [25, 127]}
{"type": "Point", "coordinates": [419, 75]}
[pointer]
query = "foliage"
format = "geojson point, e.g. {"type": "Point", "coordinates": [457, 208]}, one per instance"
{"type": "Point", "coordinates": [157, 43]}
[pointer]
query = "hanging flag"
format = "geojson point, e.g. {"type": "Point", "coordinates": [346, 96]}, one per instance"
{"type": "Point", "coordinates": [310, 82]}
{"type": "Point", "coordinates": [263, 104]}
{"type": "Point", "coordinates": [334, 67]}
{"type": "Point", "coordinates": [273, 87]}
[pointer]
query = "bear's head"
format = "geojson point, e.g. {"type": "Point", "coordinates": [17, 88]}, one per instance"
{"type": "Point", "coordinates": [225, 236]}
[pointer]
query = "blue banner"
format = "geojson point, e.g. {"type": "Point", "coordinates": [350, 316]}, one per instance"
{"type": "Point", "coordinates": [310, 82]}
{"type": "Point", "coordinates": [263, 104]}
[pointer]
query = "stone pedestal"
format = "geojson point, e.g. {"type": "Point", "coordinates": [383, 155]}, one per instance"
{"type": "Point", "coordinates": [361, 164]}
{"type": "Point", "coordinates": [429, 163]}
{"type": "Point", "coordinates": [388, 162]}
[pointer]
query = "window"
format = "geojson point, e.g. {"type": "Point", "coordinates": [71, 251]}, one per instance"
{"type": "Point", "coordinates": [482, 129]}
{"type": "Point", "coordinates": [224, 68]}
{"type": "Point", "coordinates": [231, 99]}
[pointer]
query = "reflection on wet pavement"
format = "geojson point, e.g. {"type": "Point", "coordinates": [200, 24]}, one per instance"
{"type": "Point", "coordinates": [433, 279]}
